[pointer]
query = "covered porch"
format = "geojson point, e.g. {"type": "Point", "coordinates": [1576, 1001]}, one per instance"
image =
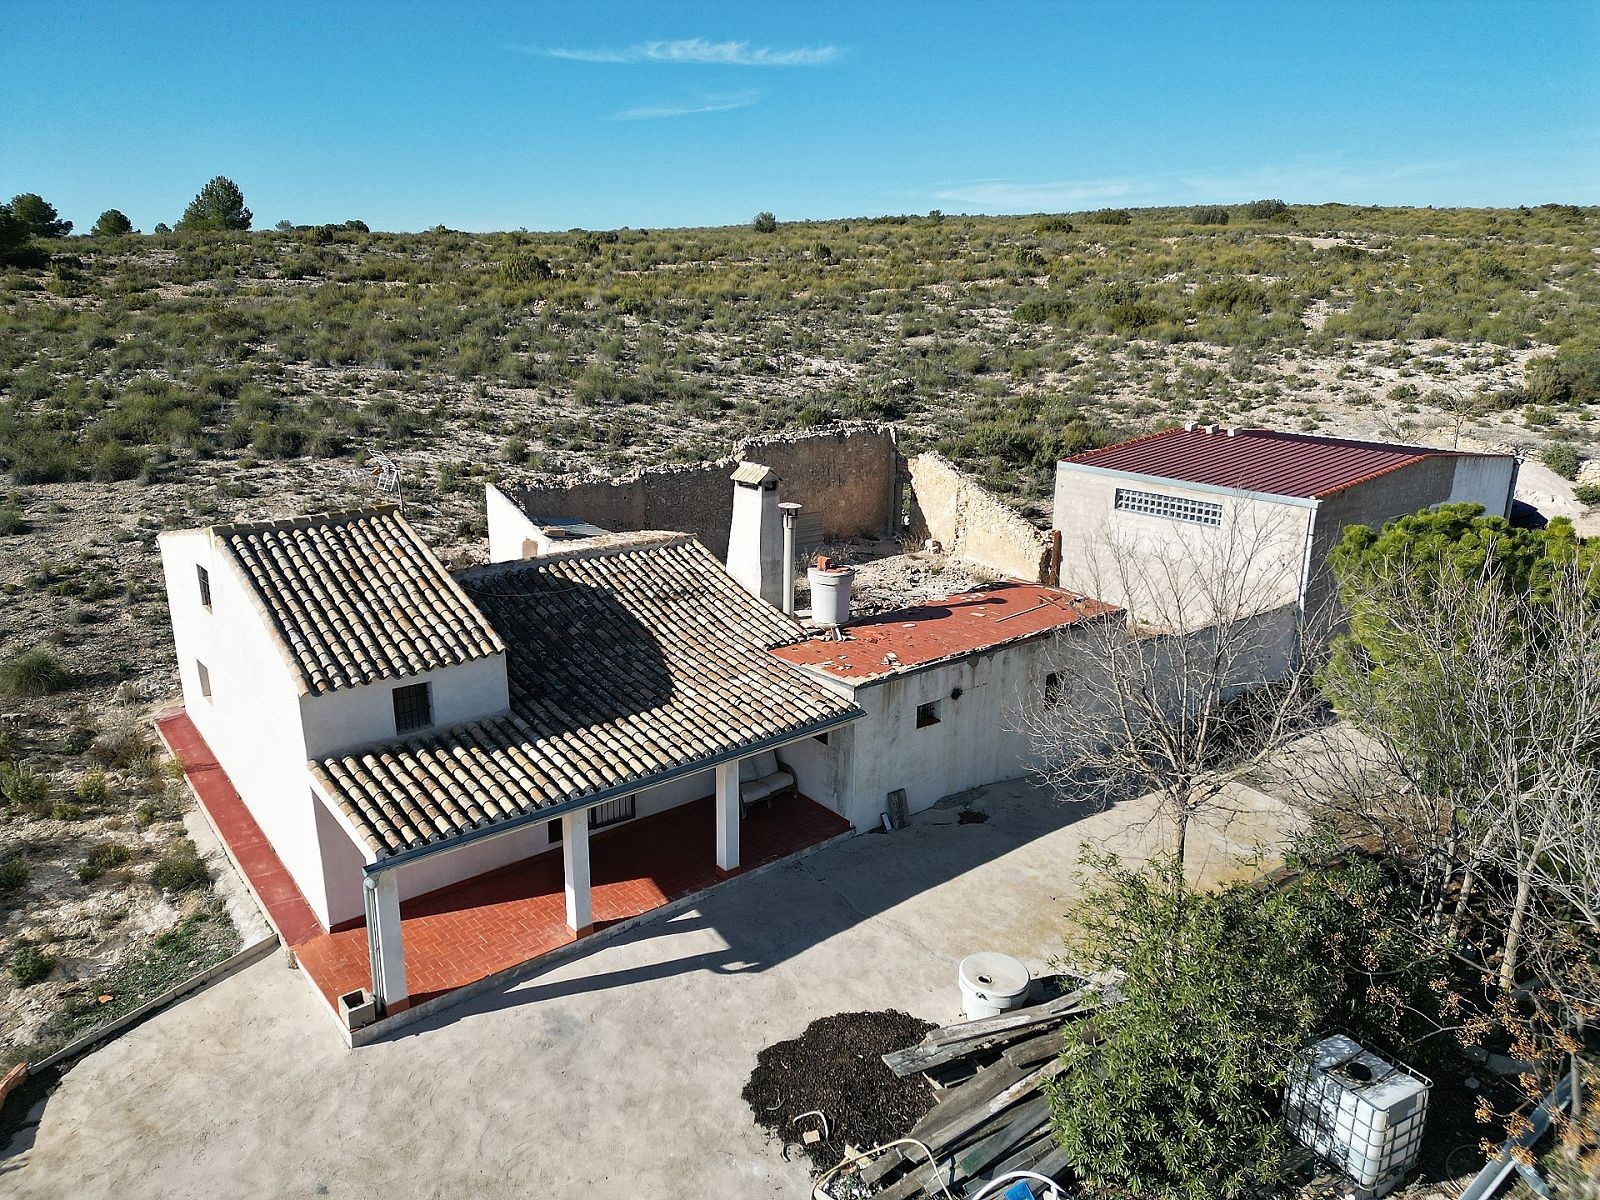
{"type": "Point", "coordinates": [492, 923]}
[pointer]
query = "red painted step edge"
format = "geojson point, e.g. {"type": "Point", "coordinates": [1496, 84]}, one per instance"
{"type": "Point", "coordinates": [247, 845]}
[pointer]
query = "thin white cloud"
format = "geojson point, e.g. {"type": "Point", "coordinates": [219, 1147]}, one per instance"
{"type": "Point", "coordinates": [999, 195]}
{"type": "Point", "coordinates": [698, 50]}
{"type": "Point", "coordinates": [687, 108]}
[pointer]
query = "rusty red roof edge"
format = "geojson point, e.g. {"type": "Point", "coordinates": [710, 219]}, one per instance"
{"type": "Point", "coordinates": [1265, 461]}
{"type": "Point", "coordinates": [924, 636]}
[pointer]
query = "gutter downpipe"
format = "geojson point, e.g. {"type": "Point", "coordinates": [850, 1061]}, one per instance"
{"type": "Point", "coordinates": [1305, 583]}
{"type": "Point", "coordinates": [789, 509]}
{"type": "Point", "coordinates": [369, 898]}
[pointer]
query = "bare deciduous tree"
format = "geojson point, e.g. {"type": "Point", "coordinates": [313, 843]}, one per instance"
{"type": "Point", "coordinates": [1204, 679]}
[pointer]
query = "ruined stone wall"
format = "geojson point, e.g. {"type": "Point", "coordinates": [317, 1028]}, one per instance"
{"type": "Point", "coordinates": [845, 476]}
{"type": "Point", "coordinates": [972, 523]}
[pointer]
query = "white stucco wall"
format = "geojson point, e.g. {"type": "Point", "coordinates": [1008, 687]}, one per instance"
{"type": "Point", "coordinates": [1162, 569]}
{"type": "Point", "coordinates": [350, 717]}
{"type": "Point", "coordinates": [251, 721]}
{"type": "Point", "coordinates": [979, 738]}
{"type": "Point", "coordinates": [510, 532]}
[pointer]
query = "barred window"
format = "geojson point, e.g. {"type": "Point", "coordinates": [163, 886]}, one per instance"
{"type": "Point", "coordinates": [611, 812]}
{"type": "Point", "coordinates": [413, 708]}
{"type": "Point", "coordinates": [1176, 508]}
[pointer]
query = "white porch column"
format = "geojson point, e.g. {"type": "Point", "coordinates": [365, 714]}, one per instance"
{"type": "Point", "coordinates": [728, 816]}
{"type": "Point", "coordinates": [383, 926]}
{"type": "Point", "coordinates": [575, 868]}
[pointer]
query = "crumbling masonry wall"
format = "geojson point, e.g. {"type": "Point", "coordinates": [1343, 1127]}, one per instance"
{"type": "Point", "coordinates": [845, 476]}
{"type": "Point", "coordinates": [972, 523]}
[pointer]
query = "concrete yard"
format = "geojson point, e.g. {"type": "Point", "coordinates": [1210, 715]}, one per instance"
{"type": "Point", "coordinates": [615, 1074]}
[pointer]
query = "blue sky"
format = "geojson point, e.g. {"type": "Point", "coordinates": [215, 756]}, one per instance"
{"type": "Point", "coordinates": [546, 116]}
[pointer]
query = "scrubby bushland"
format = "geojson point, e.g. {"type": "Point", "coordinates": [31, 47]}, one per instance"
{"type": "Point", "coordinates": [143, 355]}
{"type": "Point", "coordinates": [1213, 214]}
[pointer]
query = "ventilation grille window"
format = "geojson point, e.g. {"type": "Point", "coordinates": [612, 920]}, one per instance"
{"type": "Point", "coordinates": [1175, 508]}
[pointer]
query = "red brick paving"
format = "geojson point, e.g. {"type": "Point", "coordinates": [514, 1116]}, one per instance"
{"type": "Point", "coordinates": [498, 920]}
{"type": "Point", "coordinates": [460, 934]}
{"type": "Point", "coordinates": [268, 878]}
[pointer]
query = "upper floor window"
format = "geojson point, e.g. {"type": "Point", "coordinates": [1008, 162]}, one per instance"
{"type": "Point", "coordinates": [205, 679]}
{"type": "Point", "coordinates": [927, 714]}
{"type": "Point", "coordinates": [1176, 508]}
{"type": "Point", "coordinates": [205, 585]}
{"type": "Point", "coordinates": [413, 707]}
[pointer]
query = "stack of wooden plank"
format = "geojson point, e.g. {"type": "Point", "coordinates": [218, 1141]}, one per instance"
{"type": "Point", "coordinates": [992, 1115]}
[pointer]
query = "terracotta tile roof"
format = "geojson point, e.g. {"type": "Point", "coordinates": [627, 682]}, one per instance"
{"type": "Point", "coordinates": [1259, 460]}
{"type": "Point", "coordinates": [892, 642]}
{"type": "Point", "coordinates": [354, 597]}
{"type": "Point", "coordinates": [632, 658]}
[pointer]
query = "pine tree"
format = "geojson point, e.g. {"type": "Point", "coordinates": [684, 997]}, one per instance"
{"type": "Point", "coordinates": [220, 205]}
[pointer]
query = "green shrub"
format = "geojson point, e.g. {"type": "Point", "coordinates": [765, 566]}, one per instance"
{"type": "Point", "coordinates": [12, 521]}
{"type": "Point", "coordinates": [180, 870]}
{"type": "Point", "coordinates": [34, 673]}
{"type": "Point", "coordinates": [1587, 494]}
{"type": "Point", "coordinates": [23, 788]}
{"type": "Point", "coordinates": [65, 810]}
{"type": "Point", "coordinates": [1563, 458]}
{"type": "Point", "coordinates": [1211, 214]}
{"type": "Point", "coordinates": [525, 268]}
{"type": "Point", "coordinates": [764, 222]}
{"type": "Point", "coordinates": [1111, 216]}
{"type": "Point", "coordinates": [31, 965]}
{"type": "Point", "coordinates": [104, 857]}
{"type": "Point", "coordinates": [1265, 210]}
{"type": "Point", "coordinates": [13, 875]}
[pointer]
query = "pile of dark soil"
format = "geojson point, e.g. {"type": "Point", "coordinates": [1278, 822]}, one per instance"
{"type": "Point", "coordinates": [836, 1066]}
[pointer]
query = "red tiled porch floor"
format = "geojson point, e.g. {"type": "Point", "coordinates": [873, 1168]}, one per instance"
{"type": "Point", "coordinates": [501, 919]}
{"type": "Point", "coordinates": [498, 920]}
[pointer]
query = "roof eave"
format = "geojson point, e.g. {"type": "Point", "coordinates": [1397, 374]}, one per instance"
{"type": "Point", "coordinates": [1211, 488]}
{"type": "Point", "coordinates": [547, 812]}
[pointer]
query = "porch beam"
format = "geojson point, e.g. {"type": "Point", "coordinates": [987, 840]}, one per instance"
{"type": "Point", "coordinates": [727, 802]}
{"type": "Point", "coordinates": [575, 871]}
{"type": "Point", "coordinates": [385, 941]}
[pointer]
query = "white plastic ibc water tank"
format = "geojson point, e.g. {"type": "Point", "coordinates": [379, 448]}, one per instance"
{"type": "Point", "coordinates": [830, 593]}
{"type": "Point", "coordinates": [992, 984]}
{"type": "Point", "coordinates": [1358, 1111]}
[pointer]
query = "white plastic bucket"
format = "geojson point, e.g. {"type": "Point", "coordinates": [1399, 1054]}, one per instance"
{"type": "Point", "coordinates": [992, 984]}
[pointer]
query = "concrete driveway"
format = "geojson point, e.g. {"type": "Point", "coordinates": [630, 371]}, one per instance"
{"type": "Point", "coordinates": [616, 1074]}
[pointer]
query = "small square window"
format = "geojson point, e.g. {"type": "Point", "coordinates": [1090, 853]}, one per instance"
{"type": "Point", "coordinates": [205, 679]}
{"type": "Point", "coordinates": [413, 708]}
{"type": "Point", "coordinates": [205, 585]}
{"type": "Point", "coordinates": [927, 714]}
{"type": "Point", "coordinates": [820, 737]}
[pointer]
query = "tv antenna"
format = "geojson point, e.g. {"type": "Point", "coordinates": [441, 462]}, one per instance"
{"type": "Point", "coordinates": [385, 472]}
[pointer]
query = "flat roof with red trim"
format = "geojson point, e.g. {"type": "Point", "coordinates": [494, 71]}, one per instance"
{"type": "Point", "coordinates": [1259, 460]}
{"type": "Point", "coordinates": [889, 643]}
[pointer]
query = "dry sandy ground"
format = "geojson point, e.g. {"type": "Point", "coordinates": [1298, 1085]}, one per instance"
{"type": "Point", "coordinates": [614, 1075]}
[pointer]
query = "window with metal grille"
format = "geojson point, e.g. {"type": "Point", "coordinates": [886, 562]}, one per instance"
{"type": "Point", "coordinates": [205, 679]}
{"type": "Point", "coordinates": [609, 812]}
{"type": "Point", "coordinates": [927, 714]}
{"type": "Point", "coordinates": [205, 585]}
{"type": "Point", "coordinates": [413, 708]}
{"type": "Point", "coordinates": [1175, 508]}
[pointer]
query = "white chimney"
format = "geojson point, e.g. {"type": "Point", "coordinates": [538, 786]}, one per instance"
{"type": "Point", "coordinates": [830, 593]}
{"type": "Point", "coordinates": [755, 536]}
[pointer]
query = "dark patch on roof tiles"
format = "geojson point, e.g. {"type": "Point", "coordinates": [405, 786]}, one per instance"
{"type": "Point", "coordinates": [631, 658]}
